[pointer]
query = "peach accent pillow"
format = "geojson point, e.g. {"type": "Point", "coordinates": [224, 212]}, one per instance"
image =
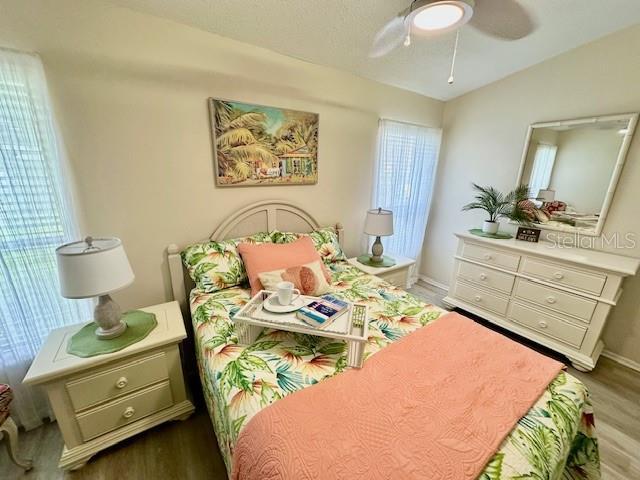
{"type": "Point", "coordinates": [308, 278]}
{"type": "Point", "coordinates": [266, 257]}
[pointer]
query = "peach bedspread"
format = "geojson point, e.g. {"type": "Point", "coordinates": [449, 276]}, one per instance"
{"type": "Point", "coordinates": [444, 399]}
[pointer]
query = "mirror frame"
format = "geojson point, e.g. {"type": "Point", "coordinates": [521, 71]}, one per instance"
{"type": "Point", "coordinates": [617, 169]}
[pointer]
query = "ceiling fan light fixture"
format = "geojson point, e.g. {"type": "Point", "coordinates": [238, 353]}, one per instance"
{"type": "Point", "coordinates": [436, 16]}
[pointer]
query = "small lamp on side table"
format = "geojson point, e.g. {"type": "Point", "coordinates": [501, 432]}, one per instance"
{"type": "Point", "coordinates": [379, 222]}
{"type": "Point", "coordinates": [96, 267]}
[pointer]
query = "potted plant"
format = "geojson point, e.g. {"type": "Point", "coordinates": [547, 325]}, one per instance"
{"type": "Point", "coordinates": [499, 205]}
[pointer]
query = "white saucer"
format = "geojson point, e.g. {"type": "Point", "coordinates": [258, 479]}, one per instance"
{"type": "Point", "coordinates": [272, 305]}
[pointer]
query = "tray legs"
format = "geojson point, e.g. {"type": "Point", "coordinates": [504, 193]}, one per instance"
{"type": "Point", "coordinates": [355, 353]}
{"type": "Point", "coordinates": [247, 334]}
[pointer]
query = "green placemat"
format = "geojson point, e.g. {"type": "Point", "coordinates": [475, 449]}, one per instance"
{"type": "Point", "coordinates": [499, 235]}
{"type": "Point", "coordinates": [84, 343]}
{"type": "Point", "coordinates": [386, 261]}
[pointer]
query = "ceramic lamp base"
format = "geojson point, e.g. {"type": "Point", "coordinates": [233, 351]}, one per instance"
{"type": "Point", "coordinates": [112, 332]}
{"type": "Point", "coordinates": [108, 316]}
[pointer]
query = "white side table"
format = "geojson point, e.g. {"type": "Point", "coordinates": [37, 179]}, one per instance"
{"type": "Point", "coordinates": [397, 275]}
{"type": "Point", "coordinates": [101, 400]}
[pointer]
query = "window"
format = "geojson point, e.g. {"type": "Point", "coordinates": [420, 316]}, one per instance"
{"type": "Point", "coordinates": [35, 218]}
{"type": "Point", "coordinates": [405, 171]}
{"type": "Point", "coordinates": [542, 168]}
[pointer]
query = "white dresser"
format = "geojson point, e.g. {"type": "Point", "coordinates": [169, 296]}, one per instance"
{"type": "Point", "coordinates": [558, 297]}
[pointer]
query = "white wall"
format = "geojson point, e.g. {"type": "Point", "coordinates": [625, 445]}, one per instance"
{"type": "Point", "coordinates": [130, 93]}
{"type": "Point", "coordinates": [484, 132]}
{"type": "Point", "coordinates": [583, 167]}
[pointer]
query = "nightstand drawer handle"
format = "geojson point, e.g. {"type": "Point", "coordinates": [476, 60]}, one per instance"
{"type": "Point", "coordinates": [483, 276]}
{"type": "Point", "coordinates": [487, 256]}
{"type": "Point", "coordinates": [551, 299]}
{"type": "Point", "coordinates": [558, 275]}
{"type": "Point", "coordinates": [478, 298]}
{"type": "Point", "coordinates": [129, 412]}
{"type": "Point", "coordinates": [542, 324]}
{"type": "Point", "coordinates": [122, 382]}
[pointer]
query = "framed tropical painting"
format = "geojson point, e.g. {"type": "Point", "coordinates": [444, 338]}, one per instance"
{"type": "Point", "coordinates": [257, 145]}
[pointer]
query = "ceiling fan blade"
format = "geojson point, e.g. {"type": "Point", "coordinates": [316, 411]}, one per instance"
{"type": "Point", "coordinates": [389, 37]}
{"type": "Point", "coordinates": [504, 19]}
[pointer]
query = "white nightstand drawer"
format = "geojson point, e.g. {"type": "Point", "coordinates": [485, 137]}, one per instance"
{"type": "Point", "coordinates": [547, 325]}
{"type": "Point", "coordinates": [126, 410]}
{"type": "Point", "coordinates": [114, 382]}
{"type": "Point", "coordinates": [557, 300]}
{"type": "Point", "coordinates": [481, 299]}
{"type": "Point", "coordinates": [397, 278]}
{"type": "Point", "coordinates": [486, 277]}
{"type": "Point", "coordinates": [489, 256]}
{"type": "Point", "coordinates": [561, 275]}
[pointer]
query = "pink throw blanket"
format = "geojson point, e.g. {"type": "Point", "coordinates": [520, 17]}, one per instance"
{"type": "Point", "coordinates": [436, 404]}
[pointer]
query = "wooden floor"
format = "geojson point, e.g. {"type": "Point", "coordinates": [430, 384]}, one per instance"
{"type": "Point", "coordinates": [188, 450]}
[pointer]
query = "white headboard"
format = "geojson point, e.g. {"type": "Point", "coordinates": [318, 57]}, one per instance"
{"type": "Point", "coordinates": [265, 216]}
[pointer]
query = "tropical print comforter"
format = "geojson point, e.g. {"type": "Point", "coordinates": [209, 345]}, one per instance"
{"type": "Point", "coordinates": [555, 440]}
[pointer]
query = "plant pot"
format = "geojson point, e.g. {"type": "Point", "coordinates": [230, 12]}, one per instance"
{"type": "Point", "coordinates": [490, 227]}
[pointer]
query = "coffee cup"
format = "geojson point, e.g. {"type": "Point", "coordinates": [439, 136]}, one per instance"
{"type": "Point", "coordinates": [286, 293]}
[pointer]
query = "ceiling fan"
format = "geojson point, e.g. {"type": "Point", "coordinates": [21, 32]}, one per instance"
{"type": "Point", "coordinates": [503, 19]}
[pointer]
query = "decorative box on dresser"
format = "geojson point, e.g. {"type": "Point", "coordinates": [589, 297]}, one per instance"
{"type": "Point", "coordinates": [559, 297]}
{"type": "Point", "coordinates": [101, 400]}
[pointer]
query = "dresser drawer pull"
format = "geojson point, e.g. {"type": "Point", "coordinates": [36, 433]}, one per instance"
{"type": "Point", "coordinates": [483, 276]}
{"type": "Point", "coordinates": [487, 256]}
{"type": "Point", "coordinates": [551, 299]}
{"type": "Point", "coordinates": [477, 298]}
{"type": "Point", "coordinates": [558, 275]}
{"type": "Point", "coordinates": [122, 382]}
{"type": "Point", "coordinates": [542, 324]}
{"type": "Point", "coordinates": [129, 412]}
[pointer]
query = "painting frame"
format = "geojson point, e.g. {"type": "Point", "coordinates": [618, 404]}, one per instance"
{"type": "Point", "coordinates": [272, 146]}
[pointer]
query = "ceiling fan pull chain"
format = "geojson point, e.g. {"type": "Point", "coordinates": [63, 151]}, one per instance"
{"type": "Point", "coordinates": [407, 39]}
{"type": "Point", "coordinates": [453, 60]}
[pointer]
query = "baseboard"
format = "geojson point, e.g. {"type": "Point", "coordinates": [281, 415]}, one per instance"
{"type": "Point", "coordinates": [627, 362]}
{"type": "Point", "coordinates": [434, 283]}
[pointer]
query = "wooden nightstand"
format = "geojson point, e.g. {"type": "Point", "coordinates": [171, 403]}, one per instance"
{"type": "Point", "coordinates": [397, 275]}
{"type": "Point", "coordinates": [101, 400]}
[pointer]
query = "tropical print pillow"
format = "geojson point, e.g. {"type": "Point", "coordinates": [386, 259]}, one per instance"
{"type": "Point", "coordinates": [217, 265]}
{"type": "Point", "coordinates": [324, 239]}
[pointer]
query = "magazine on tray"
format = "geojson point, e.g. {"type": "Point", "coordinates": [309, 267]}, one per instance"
{"type": "Point", "coordinates": [323, 311]}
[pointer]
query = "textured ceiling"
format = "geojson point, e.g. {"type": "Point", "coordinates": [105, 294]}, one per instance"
{"type": "Point", "coordinates": [338, 33]}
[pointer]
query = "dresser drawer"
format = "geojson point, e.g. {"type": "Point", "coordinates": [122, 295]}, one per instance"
{"type": "Point", "coordinates": [128, 409]}
{"type": "Point", "coordinates": [554, 299]}
{"type": "Point", "coordinates": [117, 381]}
{"type": "Point", "coordinates": [586, 281]}
{"type": "Point", "coordinates": [486, 277]}
{"type": "Point", "coordinates": [547, 325]}
{"type": "Point", "coordinates": [489, 256]}
{"type": "Point", "coordinates": [480, 298]}
{"type": "Point", "coordinates": [397, 278]}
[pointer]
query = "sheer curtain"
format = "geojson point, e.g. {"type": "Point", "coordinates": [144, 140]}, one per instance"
{"type": "Point", "coordinates": [405, 173]}
{"type": "Point", "coordinates": [542, 167]}
{"type": "Point", "coordinates": [35, 217]}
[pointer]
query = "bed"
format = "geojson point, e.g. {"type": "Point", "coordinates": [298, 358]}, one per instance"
{"type": "Point", "coordinates": [556, 439]}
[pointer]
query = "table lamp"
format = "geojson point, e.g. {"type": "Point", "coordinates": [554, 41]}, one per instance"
{"type": "Point", "coordinates": [379, 222]}
{"type": "Point", "coordinates": [96, 267]}
{"type": "Point", "coordinates": [546, 195]}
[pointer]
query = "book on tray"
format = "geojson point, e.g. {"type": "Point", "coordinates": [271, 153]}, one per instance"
{"type": "Point", "coordinates": [323, 311]}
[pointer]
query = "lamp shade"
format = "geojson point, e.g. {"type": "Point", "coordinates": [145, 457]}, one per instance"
{"type": "Point", "coordinates": [546, 195]}
{"type": "Point", "coordinates": [93, 267]}
{"type": "Point", "coordinates": [379, 222]}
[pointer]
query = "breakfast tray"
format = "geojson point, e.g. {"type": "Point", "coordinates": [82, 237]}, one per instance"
{"type": "Point", "coordinates": [351, 327]}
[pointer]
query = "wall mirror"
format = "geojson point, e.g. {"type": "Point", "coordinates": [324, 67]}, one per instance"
{"type": "Point", "coordinates": [572, 168]}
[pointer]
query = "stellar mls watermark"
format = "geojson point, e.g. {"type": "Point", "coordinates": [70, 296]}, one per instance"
{"type": "Point", "coordinates": [615, 240]}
